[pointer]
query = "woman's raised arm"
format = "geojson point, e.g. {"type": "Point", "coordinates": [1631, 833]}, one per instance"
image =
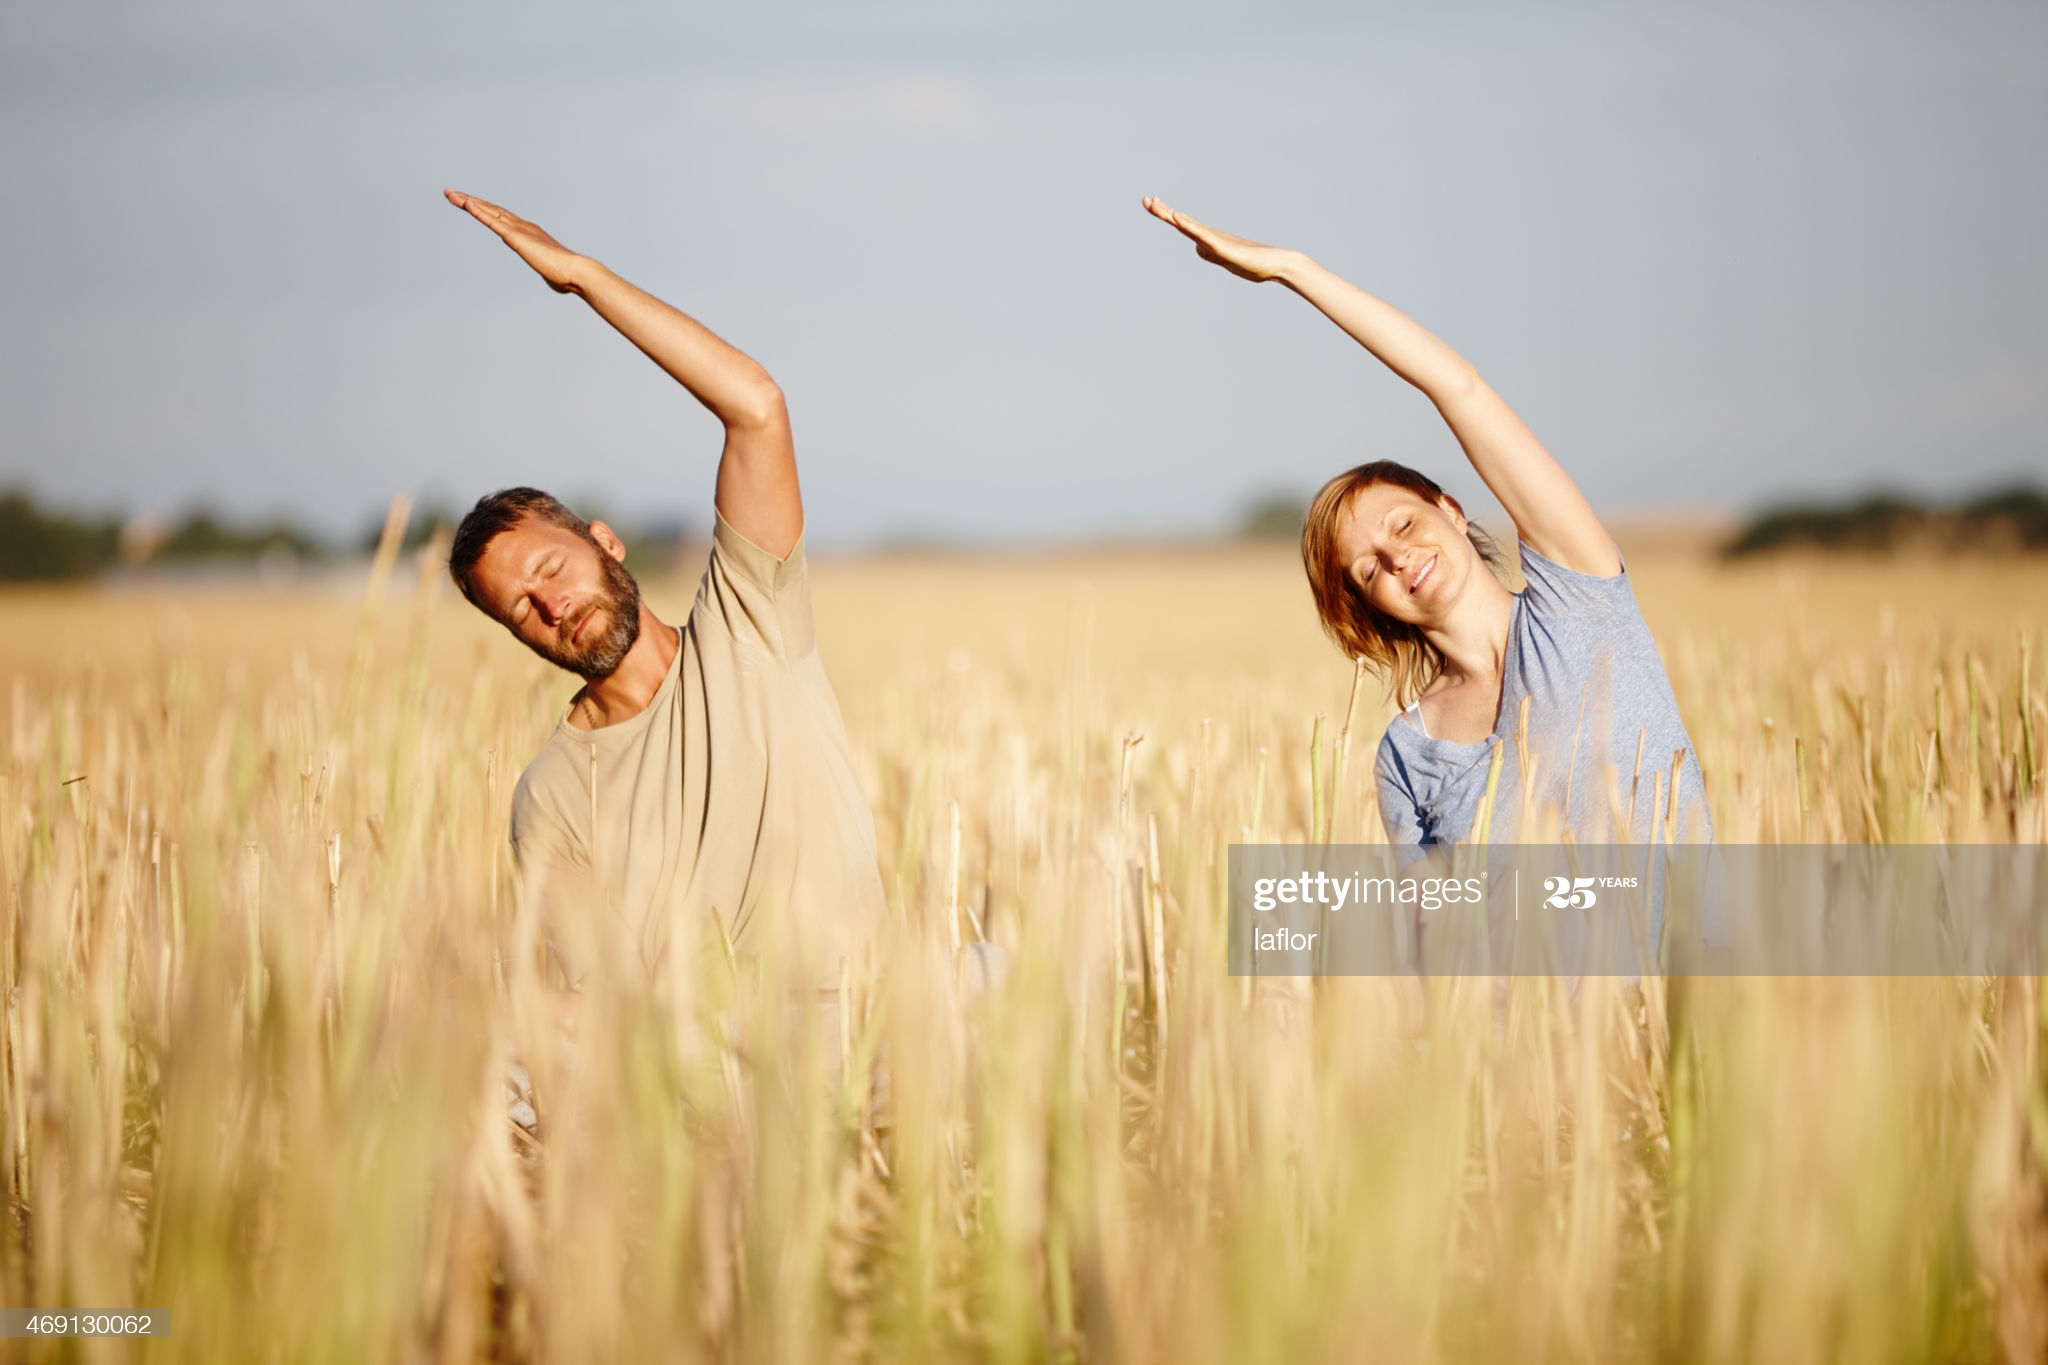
{"type": "Point", "coordinates": [1549, 511]}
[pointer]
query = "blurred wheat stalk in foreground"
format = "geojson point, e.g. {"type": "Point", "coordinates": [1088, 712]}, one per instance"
{"type": "Point", "coordinates": [264, 971]}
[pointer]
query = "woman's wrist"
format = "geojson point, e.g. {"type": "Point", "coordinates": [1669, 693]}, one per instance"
{"type": "Point", "coordinates": [1295, 267]}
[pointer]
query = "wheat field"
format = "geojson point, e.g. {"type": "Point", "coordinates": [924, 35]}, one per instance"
{"type": "Point", "coordinates": [265, 970]}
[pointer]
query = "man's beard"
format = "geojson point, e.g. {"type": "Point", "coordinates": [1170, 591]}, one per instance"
{"type": "Point", "coordinates": [598, 659]}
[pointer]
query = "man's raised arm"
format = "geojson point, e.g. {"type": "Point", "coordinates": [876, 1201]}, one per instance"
{"type": "Point", "coordinates": [757, 487]}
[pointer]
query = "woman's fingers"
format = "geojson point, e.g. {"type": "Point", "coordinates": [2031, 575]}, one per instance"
{"type": "Point", "coordinates": [1241, 257]}
{"type": "Point", "coordinates": [1201, 234]}
{"type": "Point", "coordinates": [1158, 209]}
{"type": "Point", "coordinates": [1161, 210]}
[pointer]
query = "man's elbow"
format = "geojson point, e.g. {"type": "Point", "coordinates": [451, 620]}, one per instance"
{"type": "Point", "coordinates": [760, 408]}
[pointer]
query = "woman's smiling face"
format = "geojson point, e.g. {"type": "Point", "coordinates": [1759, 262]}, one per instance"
{"type": "Point", "coordinates": [1406, 554]}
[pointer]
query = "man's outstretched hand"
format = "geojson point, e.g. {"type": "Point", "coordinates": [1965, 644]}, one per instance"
{"type": "Point", "coordinates": [1239, 255]}
{"type": "Point", "coordinates": [552, 261]}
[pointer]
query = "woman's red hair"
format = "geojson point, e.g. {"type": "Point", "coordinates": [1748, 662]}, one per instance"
{"type": "Point", "coordinates": [1396, 650]}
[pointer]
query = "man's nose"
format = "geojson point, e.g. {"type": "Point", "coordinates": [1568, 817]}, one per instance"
{"type": "Point", "coordinates": [552, 608]}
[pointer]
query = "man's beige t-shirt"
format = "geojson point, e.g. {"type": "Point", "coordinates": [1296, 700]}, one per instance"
{"type": "Point", "coordinates": [734, 792]}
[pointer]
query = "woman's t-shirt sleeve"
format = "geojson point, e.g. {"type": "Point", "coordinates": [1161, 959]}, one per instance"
{"type": "Point", "coordinates": [1554, 589]}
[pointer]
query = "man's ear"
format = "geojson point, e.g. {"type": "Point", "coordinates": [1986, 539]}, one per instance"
{"type": "Point", "coordinates": [607, 541]}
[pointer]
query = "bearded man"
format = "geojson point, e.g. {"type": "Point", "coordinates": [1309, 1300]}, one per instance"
{"type": "Point", "coordinates": [701, 781]}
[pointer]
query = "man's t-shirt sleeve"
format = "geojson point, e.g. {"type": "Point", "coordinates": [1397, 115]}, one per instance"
{"type": "Point", "coordinates": [755, 597]}
{"type": "Point", "coordinates": [540, 838]}
{"type": "Point", "coordinates": [553, 866]}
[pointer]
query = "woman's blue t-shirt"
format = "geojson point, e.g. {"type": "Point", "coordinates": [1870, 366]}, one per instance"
{"type": "Point", "coordinates": [1577, 646]}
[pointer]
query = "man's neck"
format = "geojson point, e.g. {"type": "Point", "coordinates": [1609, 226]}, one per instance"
{"type": "Point", "coordinates": [630, 687]}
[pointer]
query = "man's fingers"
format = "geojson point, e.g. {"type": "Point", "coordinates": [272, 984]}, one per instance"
{"type": "Point", "coordinates": [475, 207]}
{"type": "Point", "coordinates": [484, 211]}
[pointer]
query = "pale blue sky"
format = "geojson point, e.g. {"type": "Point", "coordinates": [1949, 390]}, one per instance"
{"type": "Point", "coordinates": [1712, 254]}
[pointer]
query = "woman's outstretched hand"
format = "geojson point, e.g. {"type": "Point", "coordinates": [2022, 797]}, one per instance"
{"type": "Point", "coordinates": [1239, 255]}
{"type": "Point", "coordinates": [550, 260]}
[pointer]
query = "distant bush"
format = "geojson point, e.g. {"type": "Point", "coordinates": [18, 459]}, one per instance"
{"type": "Point", "coordinates": [200, 536]}
{"type": "Point", "coordinates": [2019, 513]}
{"type": "Point", "coordinates": [38, 545]}
{"type": "Point", "coordinates": [1274, 516]}
{"type": "Point", "coordinates": [2007, 519]}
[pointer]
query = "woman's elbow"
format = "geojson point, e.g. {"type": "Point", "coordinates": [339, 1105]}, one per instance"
{"type": "Point", "coordinates": [1459, 384]}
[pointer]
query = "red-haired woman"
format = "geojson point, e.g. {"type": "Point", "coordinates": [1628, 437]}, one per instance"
{"type": "Point", "coordinates": [1401, 579]}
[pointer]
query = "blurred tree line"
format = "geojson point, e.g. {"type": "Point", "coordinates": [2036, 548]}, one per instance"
{"type": "Point", "coordinates": [2003, 520]}
{"type": "Point", "coordinates": [35, 544]}
{"type": "Point", "coordinates": [2006, 519]}
{"type": "Point", "coordinates": [1273, 516]}
{"type": "Point", "coordinates": [40, 544]}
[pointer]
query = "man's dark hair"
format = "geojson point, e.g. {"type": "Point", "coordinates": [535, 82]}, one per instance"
{"type": "Point", "coordinates": [499, 512]}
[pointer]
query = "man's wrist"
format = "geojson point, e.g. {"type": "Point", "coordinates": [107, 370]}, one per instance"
{"type": "Point", "coordinates": [584, 274]}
